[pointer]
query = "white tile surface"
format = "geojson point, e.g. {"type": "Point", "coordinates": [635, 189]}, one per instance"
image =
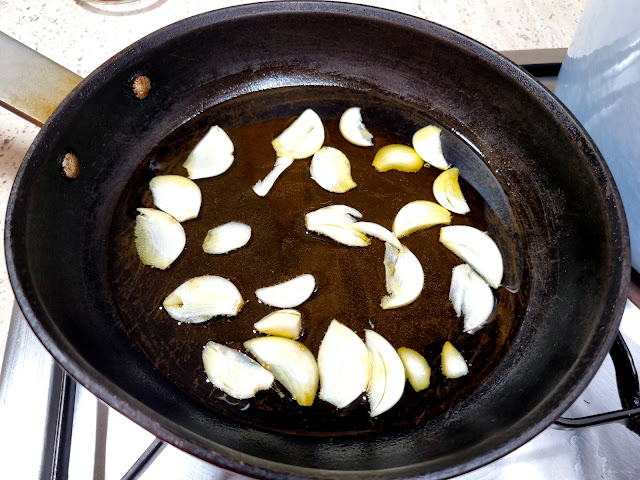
{"type": "Point", "coordinates": [81, 39]}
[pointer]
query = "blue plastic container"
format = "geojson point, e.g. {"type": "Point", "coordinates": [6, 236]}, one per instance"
{"type": "Point", "coordinates": [600, 83]}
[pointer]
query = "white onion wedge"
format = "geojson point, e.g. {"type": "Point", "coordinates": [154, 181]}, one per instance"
{"type": "Point", "coordinates": [344, 365]}
{"type": "Point", "coordinates": [233, 372]}
{"type": "Point", "coordinates": [178, 196]}
{"type": "Point", "coordinates": [159, 238]}
{"type": "Point", "coordinates": [426, 143]}
{"type": "Point", "coordinates": [471, 297]}
{"type": "Point", "coordinates": [378, 231]}
{"type": "Point", "coordinates": [262, 187]}
{"type": "Point", "coordinates": [446, 189]}
{"type": "Point", "coordinates": [477, 249]}
{"type": "Point", "coordinates": [397, 157]}
{"type": "Point", "coordinates": [337, 222]}
{"type": "Point", "coordinates": [302, 138]}
{"type": "Point", "coordinates": [288, 294]}
{"type": "Point", "coordinates": [418, 215]}
{"type": "Point", "coordinates": [352, 128]}
{"type": "Point", "coordinates": [291, 363]}
{"type": "Point", "coordinates": [282, 323]}
{"type": "Point", "coordinates": [416, 368]}
{"type": "Point", "coordinates": [212, 156]}
{"type": "Point", "coordinates": [201, 298]}
{"type": "Point", "coordinates": [453, 363]}
{"type": "Point", "coordinates": [387, 374]}
{"type": "Point", "coordinates": [330, 168]}
{"type": "Point", "coordinates": [225, 238]}
{"type": "Point", "coordinates": [404, 275]}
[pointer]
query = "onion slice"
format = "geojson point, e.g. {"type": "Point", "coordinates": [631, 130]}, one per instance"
{"type": "Point", "coordinates": [397, 157]}
{"type": "Point", "coordinates": [225, 238]}
{"type": "Point", "coordinates": [212, 156]}
{"type": "Point", "coordinates": [302, 138]}
{"type": "Point", "coordinates": [352, 128]}
{"type": "Point", "coordinates": [471, 297]}
{"type": "Point", "coordinates": [233, 372]}
{"type": "Point", "coordinates": [427, 144]}
{"type": "Point", "coordinates": [404, 276]}
{"type": "Point", "coordinates": [178, 196]}
{"type": "Point", "coordinates": [416, 368]}
{"type": "Point", "coordinates": [418, 215]}
{"type": "Point", "coordinates": [387, 374]}
{"type": "Point", "coordinates": [262, 187]}
{"type": "Point", "coordinates": [453, 363]}
{"type": "Point", "coordinates": [446, 189]}
{"type": "Point", "coordinates": [201, 298]}
{"type": "Point", "coordinates": [291, 363]}
{"type": "Point", "coordinates": [282, 323]}
{"type": "Point", "coordinates": [288, 294]}
{"type": "Point", "coordinates": [378, 231]}
{"type": "Point", "coordinates": [337, 222]}
{"type": "Point", "coordinates": [159, 238]}
{"type": "Point", "coordinates": [330, 168]}
{"type": "Point", "coordinates": [344, 365]}
{"type": "Point", "coordinates": [477, 249]}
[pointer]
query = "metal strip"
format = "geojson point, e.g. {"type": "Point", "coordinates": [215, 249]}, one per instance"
{"type": "Point", "coordinates": [31, 85]}
{"type": "Point", "coordinates": [145, 460]}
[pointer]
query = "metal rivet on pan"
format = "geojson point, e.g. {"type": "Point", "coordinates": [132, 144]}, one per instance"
{"type": "Point", "coordinates": [70, 165]}
{"type": "Point", "coordinates": [141, 86]}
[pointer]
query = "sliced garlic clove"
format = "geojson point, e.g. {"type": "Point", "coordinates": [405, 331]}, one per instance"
{"type": "Point", "coordinates": [446, 189]}
{"type": "Point", "coordinates": [397, 157]}
{"type": "Point", "coordinates": [477, 249]}
{"type": "Point", "coordinates": [426, 143]}
{"type": "Point", "coordinates": [345, 213]}
{"type": "Point", "coordinates": [282, 323]}
{"type": "Point", "coordinates": [302, 138]}
{"type": "Point", "coordinates": [212, 156]}
{"type": "Point", "coordinates": [288, 294]}
{"type": "Point", "coordinates": [418, 215]}
{"type": "Point", "coordinates": [416, 368]}
{"type": "Point", "coordinates": [227, 237]}
{"type": "Point", "coordinates": [201, 298]}
{"type": "Point", "coordinates": [405, 277]}
{"type": "Point", "coordinates": [345, 234]}
{"type": "Point", "coordinates": [344, 365]}
{"type": "Point", "coordinates": [353, 130]}
{"type": "Point", "coordinates": [379, 232]}
{"type": "Point", "coordinates": [263, 186]}
{"type": "Point", "coordinates": [453, 363]}
{"type": "Point", "coordinates": [471, 297]}
{"type": "Point", "coordinates": [291, 363]}
{"type": "Point", "coordinates": [330, 168]}
{"type": "Point", "coordinates": [233, 372]}
{"type": "Point", "coordinates": [387, 374]}
{"type": "Point", "coordinates": [159, 238]}
{"type": "Point", "coordinates": [178, 196]}
{"type": "Point", "coordinates": [337, 223]}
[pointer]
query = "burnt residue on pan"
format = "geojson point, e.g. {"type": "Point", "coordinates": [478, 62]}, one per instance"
{"type": "Point", "coordinates": [350, 281]}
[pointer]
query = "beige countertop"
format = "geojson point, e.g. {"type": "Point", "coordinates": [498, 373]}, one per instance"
{"type": "Point", "coordinates": [81, 38]}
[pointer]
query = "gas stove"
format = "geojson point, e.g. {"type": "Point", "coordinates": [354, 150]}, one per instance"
{"type": "Point", "coordinates": [55, 429]}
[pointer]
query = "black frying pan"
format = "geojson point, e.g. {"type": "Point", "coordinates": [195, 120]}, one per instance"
{"type": "Point", "coordinates": [550, 201]}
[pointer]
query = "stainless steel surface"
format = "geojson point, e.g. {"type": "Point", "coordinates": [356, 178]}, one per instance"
{"type": "Point", "coordinates": [542, 63]}
{"type": "Point", "coordinates": [29, 394]}
{"type": "Point", "coordinates": [105, 444]}
{"type": "Point", "coordinates": [31, 85]}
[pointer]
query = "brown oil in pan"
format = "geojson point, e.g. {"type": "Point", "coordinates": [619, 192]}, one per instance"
{"type": "Point", "coordinates": [350, 281]}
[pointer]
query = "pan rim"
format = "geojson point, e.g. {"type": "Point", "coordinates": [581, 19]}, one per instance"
{"type": "Point", "coordinates": [234, 460]}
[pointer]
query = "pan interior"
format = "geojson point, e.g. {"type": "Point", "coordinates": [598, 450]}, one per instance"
{"type": "Point", "coordinates": [350, 281]}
